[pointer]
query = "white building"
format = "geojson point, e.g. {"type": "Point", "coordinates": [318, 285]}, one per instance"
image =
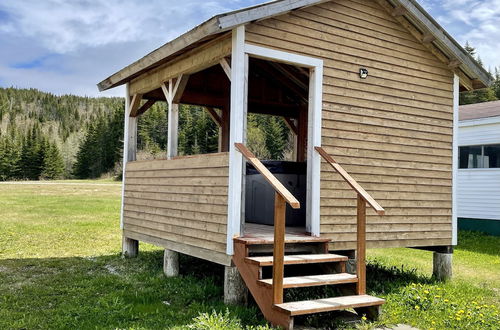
{"type": "Point", "coordinates": [478, 189]}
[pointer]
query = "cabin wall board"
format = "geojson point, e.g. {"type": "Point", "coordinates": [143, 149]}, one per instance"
{"type": "Point", "coordinates": [392, 131]}
{"type": "Point", "coordinates": [181, 203]}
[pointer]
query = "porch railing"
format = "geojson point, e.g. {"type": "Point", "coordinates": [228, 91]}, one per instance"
{"type": "Point", "coordinates": [363, 199]}
{"type": "Point", "coordinates": [281, 197]}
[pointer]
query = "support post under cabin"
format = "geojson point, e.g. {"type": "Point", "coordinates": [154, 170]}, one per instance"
{"type": "Point", "coordinates": [235, 289]}
{"type": "Point", "coordinates": [442, 261]}
{"type": "Point", "coordinates": [171, 263]}
{"type": "Point", "coordinates": [130, 247]}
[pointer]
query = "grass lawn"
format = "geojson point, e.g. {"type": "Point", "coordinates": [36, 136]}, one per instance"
{"type": "Point", "coordinates": [60, 268]}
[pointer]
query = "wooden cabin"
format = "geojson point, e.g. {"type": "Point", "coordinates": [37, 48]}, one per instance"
{"type": "Point", "coordinates": [369, 87]}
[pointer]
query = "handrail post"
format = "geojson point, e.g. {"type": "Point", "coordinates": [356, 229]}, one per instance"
{"type": "Point", "coordinates": [279, 248]}
{"type": "Point", "coordinates": [361, 246]}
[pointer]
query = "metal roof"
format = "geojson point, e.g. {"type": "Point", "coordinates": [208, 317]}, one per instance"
{"type": "Point", "coordinates": [479, 110]}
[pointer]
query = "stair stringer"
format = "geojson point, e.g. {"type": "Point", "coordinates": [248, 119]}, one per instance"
{"type": "Point", "coordinates": [263, 295]}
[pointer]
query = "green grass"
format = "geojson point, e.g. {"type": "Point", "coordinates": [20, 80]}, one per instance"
{"type": "Point", "coordinates": [60, 268]}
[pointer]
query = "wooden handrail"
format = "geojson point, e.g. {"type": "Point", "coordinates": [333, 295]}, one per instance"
{"type": "Point", "coordinates": [277, 185]}
{"type": "Point", "coordinates": [362, 199]}
{"type": "Point", "coordinates": [281, 197]}
{"type": "Point", "coordinates": [353, 183]}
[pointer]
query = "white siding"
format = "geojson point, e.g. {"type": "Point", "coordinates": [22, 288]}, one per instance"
{"type": "Point", "coordinates": [481, 131]}
{"type": "Point", "coordinates": [479, 189]}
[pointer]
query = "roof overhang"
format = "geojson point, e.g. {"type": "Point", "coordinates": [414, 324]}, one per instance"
{"type": "Point", "coordinates": [208, 30]}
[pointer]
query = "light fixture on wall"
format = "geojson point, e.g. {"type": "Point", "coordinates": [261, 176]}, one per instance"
{"type": "Point", "coordinates": [363, 73]}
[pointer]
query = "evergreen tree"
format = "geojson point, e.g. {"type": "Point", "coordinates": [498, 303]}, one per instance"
{"type": "Point", "coordinates": [53, 165]}
{"type": "Point", "coordinates": [9, 159]}
{"type": "Point", "coordinates": [480, 95]}
{"type": "Point", "coordinates": [469, 49]}
{"type": "Point", "coordinates": [275, 137]}
{"type": "Point", "coordinates": [496, 83]}
{"type": "Point", "coordinates": [86, 154]}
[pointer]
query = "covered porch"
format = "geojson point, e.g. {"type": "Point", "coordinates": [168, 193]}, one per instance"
{"type": "Point", "coordinates": [195, 204]}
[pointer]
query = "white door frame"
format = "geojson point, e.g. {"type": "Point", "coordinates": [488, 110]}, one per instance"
{"type": "Point", "coordinates": [239, 90]}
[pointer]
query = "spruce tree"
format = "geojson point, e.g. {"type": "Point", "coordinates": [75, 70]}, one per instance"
{"type": "Point", "coordinates": [275, 141]}
{"type": "Point", "coordinates": [53, 166]}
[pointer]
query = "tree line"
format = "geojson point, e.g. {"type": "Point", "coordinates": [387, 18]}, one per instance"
{"type": "Point", "coordinates": [29, 157]}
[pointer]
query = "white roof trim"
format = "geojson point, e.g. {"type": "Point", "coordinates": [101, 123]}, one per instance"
{"type": "Point", "coordinates": [479, 121]}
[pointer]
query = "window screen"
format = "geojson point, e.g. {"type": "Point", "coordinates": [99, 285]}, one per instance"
{"type": "Point", "coordinates": [487, 156]}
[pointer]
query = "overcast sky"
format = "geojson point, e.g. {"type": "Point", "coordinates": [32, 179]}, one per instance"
{"type": "Point", "coordinates": [67, 46]}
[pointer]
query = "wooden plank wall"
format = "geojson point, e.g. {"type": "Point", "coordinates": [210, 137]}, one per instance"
{"type": "Point", "coordinates": [183, 201]}
{"type": "Point", "coordinates": [392, 132]}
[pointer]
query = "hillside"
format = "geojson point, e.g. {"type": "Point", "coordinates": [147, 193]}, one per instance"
{"type": "Point", "coordinates": [34, 123]}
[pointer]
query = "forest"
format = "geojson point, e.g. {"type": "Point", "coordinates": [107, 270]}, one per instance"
{"type": "Point", "coordinates": [44, 136]}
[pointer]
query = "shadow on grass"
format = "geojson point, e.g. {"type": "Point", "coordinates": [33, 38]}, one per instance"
{"type": "Point", "coordinates": [110, 292]}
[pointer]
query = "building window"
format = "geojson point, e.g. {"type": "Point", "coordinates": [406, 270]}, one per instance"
{"type": "Point", "coordinates": [487, 156]}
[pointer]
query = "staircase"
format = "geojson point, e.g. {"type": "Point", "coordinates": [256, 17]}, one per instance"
{"type": "Point", "coordinates": [282, 314]}
{"type": "Point", "coordinates": [268, 292]}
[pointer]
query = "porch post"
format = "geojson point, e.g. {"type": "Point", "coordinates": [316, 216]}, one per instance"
{"type": "Point", "coordinates": [173, 122]}
{"type": "Point", "coordinates": [170, 257]}
{"type": "Point", "coordinates": [130, 247]}
{"type": "Point", "coordinates": [237, 133]}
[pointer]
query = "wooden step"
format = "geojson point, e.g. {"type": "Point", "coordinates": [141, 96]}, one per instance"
{"type": "Point", "coordinates": [328, 304]}
{"type": "Point", "coordinates": [313, 280]}
{"type": "Point", "coordinates": [297, 259]}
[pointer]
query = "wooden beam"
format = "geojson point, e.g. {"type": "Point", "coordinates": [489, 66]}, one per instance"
{"type": "Point", "coordinates": [428, 38]}
{"type": "Point", "coordinates": [192, 61]}
{"type": "Point", "coordinates": [224, 130]}
{"type": "Point", "coordinates": [203, 99]}
{"type": "Point", "coordinates": [226, 67]}
{"type": "Point", "coordinates": [214, 115]}
{"type": "Point", "coordinates": [289, 81]}
{"type": "Point", "coordinates": [291, 125]}
{"type": "Point", "coordinates": [477, 84]}
{"type": "Point", "coordinates": [281, 68]}
{"type": "Point", "coordinates": [464, 80]}
{"type": "Point", "coordinates": [302, 134]}
{"type": "Point", "coordinates": [134, 105]}
{"type": "Point", "coordinates": [453, 64]}
{"type": "Point", "coordinates": [180, 86]}
{"type": "Point", "coordinates": [166, 92]}
{"type": "Point", "coordinates": [145, 107]}
{"type": "Point", "coordinates": [399, 11]}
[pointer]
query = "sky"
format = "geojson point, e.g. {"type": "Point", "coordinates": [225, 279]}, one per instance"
{"type": "Point", "coordinates": [68, 46]}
